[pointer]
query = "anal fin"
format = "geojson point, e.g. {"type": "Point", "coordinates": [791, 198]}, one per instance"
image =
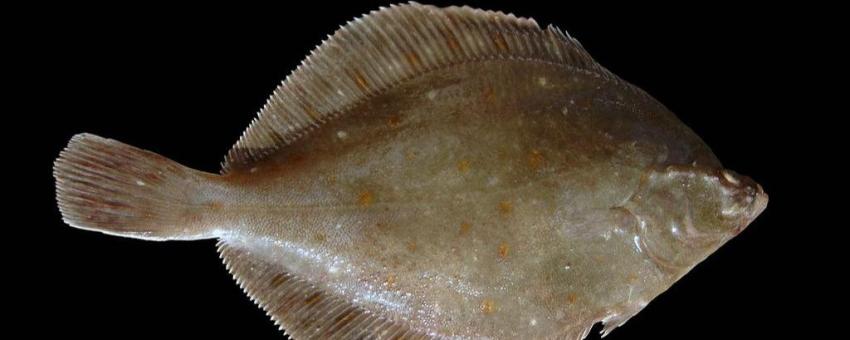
{"type": "Point", "coordinates": [301, 309]}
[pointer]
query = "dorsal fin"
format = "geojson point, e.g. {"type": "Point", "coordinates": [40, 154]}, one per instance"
{"type": "Point", "coordinates": [385, 47]}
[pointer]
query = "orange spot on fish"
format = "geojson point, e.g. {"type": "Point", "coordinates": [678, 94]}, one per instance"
{"type": "Point", "coordinates": [463, 165]}
{"type": "Point", "coordinates": [489, 93]}
{"type": "Point", "coordinates": [488, 306]}
{"type": "Point", "coordinates": [381, 226]}
{"type": "Point", "coordinates": [410, 155]}
{"type": "Point", "coordinates": [413, 59]}
{"type": "Point", "coordinates": [343, 320]}
{"type": "Point", "coordinates": [320, 237]}
{"type": "Point", "coordinates": [535, 159]}
{"type": "Point", "coordinates": [277, 280]}
{"type": "Point", "coordinates": [296, 159]}
{"type": "Point", "coordinates": [365, 198]}
{"type": "Point", "coordinates": [411, 246]}
{"type": "Point", "coordinates": [505, 207]}
{"type": "Point", "coordinates": [360, 80]}
{"type": "Point", "coordinates": [500, 41]}
{"type": "Point", "coordinates": [312, 112]}
{"type": "Point", "coordinates": [504, 250]}
{"type": "Point", "coordinates": [571, 298]}
{"type": "Point", "coordinates": [464, 228]}
{"type": "Point", "coordinates": [393, 121]}
{"type": "Point", "coordinates": [313, 299]}
{"type": "Point", "coordinates": [450, 38]}
{"type": "Point", "coordinates": [584, 103]}
{"type": "Point", "coordinates": [215, 205]}
{"type": "Point", "coordinates": [391, 279]}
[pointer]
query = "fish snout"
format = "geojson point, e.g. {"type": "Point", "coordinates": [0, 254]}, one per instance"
{"type": "Point", "coordinates": [747, 197]}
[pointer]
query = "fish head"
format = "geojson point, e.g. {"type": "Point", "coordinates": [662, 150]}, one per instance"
{"type": "Point", "coordinates": [686, 213]}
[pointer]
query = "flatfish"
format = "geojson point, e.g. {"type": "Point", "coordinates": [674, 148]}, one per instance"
{"type": "Point", "coordinates": [436, 173]}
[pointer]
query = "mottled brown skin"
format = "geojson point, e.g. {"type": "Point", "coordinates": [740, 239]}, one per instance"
{"type": "Point", "coordinates": [500, 198]}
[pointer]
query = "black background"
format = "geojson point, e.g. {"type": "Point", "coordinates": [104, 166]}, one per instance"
{"type": "Point", "coordinates": [185, 82]}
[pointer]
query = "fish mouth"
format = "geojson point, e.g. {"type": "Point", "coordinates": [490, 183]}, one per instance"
{"type": "Point", "coordinates": [758, 205]}
{"type": "Point", "coordinates": [748, 194]}
{"type": "Point", "coordinates": [761, 201]}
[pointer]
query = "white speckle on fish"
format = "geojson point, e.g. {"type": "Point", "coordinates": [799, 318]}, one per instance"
{"type": "Point", "coordinates": [431, 94]}
{"type": "Point", "coordinates": [542, 81]}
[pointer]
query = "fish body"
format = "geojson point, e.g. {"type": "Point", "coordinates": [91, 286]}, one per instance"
{"type": "Point", "coordinates": [436, 172]}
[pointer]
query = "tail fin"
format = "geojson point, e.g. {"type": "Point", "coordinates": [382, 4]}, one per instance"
{"type": "Point", "coordinates": [111, 187]}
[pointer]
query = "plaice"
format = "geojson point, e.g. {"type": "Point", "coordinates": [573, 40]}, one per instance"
{"type": "Point", "coordinates": [436, 172]}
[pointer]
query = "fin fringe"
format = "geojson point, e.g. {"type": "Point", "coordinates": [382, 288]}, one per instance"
{"type": "Point", "coordinates": [385, 47]}
{"type": "Point", "coordinates": [302, 310]}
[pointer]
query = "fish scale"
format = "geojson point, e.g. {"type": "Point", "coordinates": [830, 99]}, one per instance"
{"type": "Point", "coordinates": [436, 173]}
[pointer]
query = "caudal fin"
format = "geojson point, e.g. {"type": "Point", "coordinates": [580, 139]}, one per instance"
{"type": "Point", "coordinates": [114, 188]}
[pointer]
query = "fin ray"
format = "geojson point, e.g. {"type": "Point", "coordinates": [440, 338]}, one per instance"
{"type": "Point", "coordinates": [111, 187]}
{"type": "Point", "coordinates": [299, 308]}
{"type": "Point", "coordinates": [387, 46]}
